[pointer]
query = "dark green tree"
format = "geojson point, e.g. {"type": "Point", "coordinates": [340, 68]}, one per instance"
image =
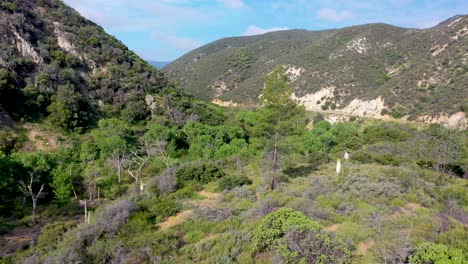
{"type": "Point", "coordinates": [279, 117]}
{"type": "Point", "coordinates": [70, 110]}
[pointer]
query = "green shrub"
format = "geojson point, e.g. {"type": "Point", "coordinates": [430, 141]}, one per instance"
{"type": "Point", "coordinates": [203, 174]}
{"type": "Point", "coordinates": [362, 186]}
{"type": "Point", "coordinates": [10, 6]}
{"type": "Point", "coordinates": [231, 182]}
{"type": "Point", "coordinates": [275, 225]}
{"type": "Point", "coordinates": [187, 192]}
{"type": "Point", "coordinates": [321, 126]}
{"type": "Point", "coordinates": [399, 111]}
{"type": "Point", "coordinates": [437, 254]}
{"type": "Point", "coordinates": [388, 132]}
{"type": "Point", "coordinates": [52, 234]}
{"type": "Point", "coordinates": [160, 208]}
{"type": "Point", "coordinates": [313, 246]}
{"type": "Point", "coordinates": [9, 142]}
{"type": "Point", "coordinates": [298, 239]}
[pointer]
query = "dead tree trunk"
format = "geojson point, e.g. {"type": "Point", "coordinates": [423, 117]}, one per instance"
{"type": "Point", "coordinates": [140, 163]}
{"type": "Point", "coordinates": [34, 196]}
{"type": "Point", "coordinates": [117, 159]}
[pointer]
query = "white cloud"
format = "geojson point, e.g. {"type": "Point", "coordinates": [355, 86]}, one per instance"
{"type": "Point", "coordinates": [254, 30]}
{"type": "Point", "coordinates": [333, 15]}
{"type": "Point", "coordinates": [184, 44]}
{"type": "Point", "coordinates": [233, 3]}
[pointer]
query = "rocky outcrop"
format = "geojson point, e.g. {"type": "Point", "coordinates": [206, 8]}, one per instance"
{"type": "Point", "coordinates": [25, 48]}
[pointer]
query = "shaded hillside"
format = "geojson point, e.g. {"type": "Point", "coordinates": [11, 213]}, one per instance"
{"type": "Point", "coordinates": [54, 63]}
{"type": "Point", "coordinates": [415, 72]}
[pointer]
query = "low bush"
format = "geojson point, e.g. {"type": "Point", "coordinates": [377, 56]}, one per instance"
{"type": "Point", "coordinates": [364, 156]}
{"type": "Point", "coordinates": [437, 254]}
{"type": "Point", "coordinates": [363, 186]}
{"type": "Point", "coordinates": [214, 214]}
{"type": "Point", "coordinates": [51, 235]}
{"type": "Point", "coordinates": [298, 239]}
{"type": "Point", "coordinates": [187, 192]}
{"type": "Point", "coordinates": [274, 226]}
{"type": "Point", "coordinates": [160, 208]}
{"type": "Point", "coordinates": [391, 132]}
{"type": "Point", "coordinates": [165, 183]}
{"type": "Point", "coordinates": [231, 182]}
{"type": "Point", "coordinates": [313, 246]}
{"type": "Point", "coordinates": [203, 174]}
{"type": "Point", "coordinates": [106, 224]}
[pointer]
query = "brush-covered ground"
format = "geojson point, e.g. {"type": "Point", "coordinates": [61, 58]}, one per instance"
{"type": "Point", "coordinates": [267, 185]}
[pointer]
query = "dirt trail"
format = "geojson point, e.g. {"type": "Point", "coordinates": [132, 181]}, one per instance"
{"type": "Point", "coordinates": [176, 219]}
{"type": "Point", "coordinates": [19, 237]}
{"type": "Point", "coordinates": [211, 201]}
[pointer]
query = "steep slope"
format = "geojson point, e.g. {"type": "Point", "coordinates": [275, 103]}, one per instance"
{"type": "Point", "coordinates": [369, 70]}
{"type": "Point", "coordinates": [53, 61]}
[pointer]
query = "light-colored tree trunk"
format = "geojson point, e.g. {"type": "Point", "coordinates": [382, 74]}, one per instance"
{"type": "Point", "coordinates": [86, 211]}
{"type": "Point", "coordinates": [34, 196]}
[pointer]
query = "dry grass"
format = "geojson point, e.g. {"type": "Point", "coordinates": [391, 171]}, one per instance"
{"type": "Point", "coordinates": [332, 228]}
{"type": "Point", "coordinates": [176, 219]}
{"type": "Point", "coordinates": [407, 210]}
{"type": "Point", "coordinates": [364, 246]}
{"type": "Point", "coordinates": [213, 199]}
{"type": "Point", "coordinates": [42, 140]}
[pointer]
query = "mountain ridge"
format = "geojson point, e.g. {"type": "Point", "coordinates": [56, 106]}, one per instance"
{"type": "Point", "coordinates": [420, 74]}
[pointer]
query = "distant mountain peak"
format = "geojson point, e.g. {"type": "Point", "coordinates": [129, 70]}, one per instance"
{"type": "Point", "coordinates": [450, 20]}
{"type": "Point", "coordinates": [159, 64]}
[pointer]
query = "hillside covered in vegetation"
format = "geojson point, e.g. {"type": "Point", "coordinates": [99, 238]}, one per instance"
{"type": "Point", "coordinates": [104, 160]}
{"type": "Point", "coordinates": [59, 66]}
{"type": "Point", "coordinates": [371, 70]}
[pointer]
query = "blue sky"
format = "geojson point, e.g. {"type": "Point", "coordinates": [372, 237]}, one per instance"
{"type": "Point", "coordinates": [166, 29]}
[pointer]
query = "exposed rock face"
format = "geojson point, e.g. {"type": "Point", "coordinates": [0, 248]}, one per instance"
{"type": "Point", "coordinates": [224, 103]}
{"type": "Point", "coordinates": [63, 42]}
{"type": "Point", "coordinates": [25, 48]}
{"type": "Point", "coordinates": [457, 120]}
{"type": "Point", "coordinates": [219, 87]}
{"type": "Point", "coordinates": [294, 72]}
{"type": "Point", "coordinates": [67, 46]}
{"type": "Point", "coordinates": [314, 101]}
{"type": "Point", "coordinates": [365, 108]}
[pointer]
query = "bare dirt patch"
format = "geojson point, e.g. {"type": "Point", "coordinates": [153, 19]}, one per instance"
{"type": "Point", "coordinates": [213, 199]}
{"type": "Point", "coordinates": [364, 246]}
{"type": "Point", "coordinates": [332, 228]}
{"type": "Point", "coordinates": [407, 210]}
{"type": "Point", "coordinates": [224, 103]}
{"type": "Point", "coordinates": [42, 140]}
